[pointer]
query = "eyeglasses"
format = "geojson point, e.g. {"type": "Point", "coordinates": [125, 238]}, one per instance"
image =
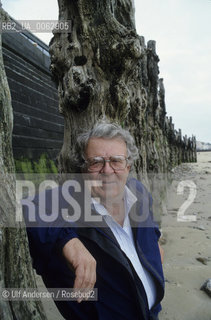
{"type": "Point", "coordinates": [96, 164]}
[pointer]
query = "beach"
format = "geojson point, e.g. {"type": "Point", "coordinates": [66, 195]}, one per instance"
{"type": "Point", "coordinates": [187, 244]}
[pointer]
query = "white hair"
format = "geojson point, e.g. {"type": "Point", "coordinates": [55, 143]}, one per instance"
{"type": "Point", "coordinates": [106, 130]}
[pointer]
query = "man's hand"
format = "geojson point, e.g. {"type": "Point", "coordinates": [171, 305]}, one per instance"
{"type": "Point", "coordinates": [82, 262]}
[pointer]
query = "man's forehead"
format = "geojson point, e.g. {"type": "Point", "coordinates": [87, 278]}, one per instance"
{"type": "Point", "coordinates": [106, 145]}
{"type": "Point", "coordinates": [106, 140]}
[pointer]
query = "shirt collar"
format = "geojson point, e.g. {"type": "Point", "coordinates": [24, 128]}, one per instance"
{"type": "Point", "coordinates": [129, 200]}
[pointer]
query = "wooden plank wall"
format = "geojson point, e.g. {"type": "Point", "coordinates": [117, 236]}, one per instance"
{"type": "Point", "coordinates": [38, 126]}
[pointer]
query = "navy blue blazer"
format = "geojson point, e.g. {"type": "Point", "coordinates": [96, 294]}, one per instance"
{"type": "Point", "coordinates": [121, 295]}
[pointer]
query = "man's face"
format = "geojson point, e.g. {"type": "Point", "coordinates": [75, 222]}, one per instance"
{"type": "Point", "coordinates": [113, 182]}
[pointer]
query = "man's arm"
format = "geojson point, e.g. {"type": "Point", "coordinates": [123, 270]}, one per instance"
{"type": "Point", "coordinates": [82, 262]}
{"type": "Point", "coordinates": [46, 239]}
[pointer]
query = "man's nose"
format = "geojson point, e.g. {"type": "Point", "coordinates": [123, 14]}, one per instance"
{"type": "Point", "coordinates": [107, 168]}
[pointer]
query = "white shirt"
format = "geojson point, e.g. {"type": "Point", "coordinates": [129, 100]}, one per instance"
{"type": "Point", "coordinates": [124, 237]}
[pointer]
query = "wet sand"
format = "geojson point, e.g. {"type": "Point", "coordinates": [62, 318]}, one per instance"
{"type": "Point", "coordinates": [187, 241]}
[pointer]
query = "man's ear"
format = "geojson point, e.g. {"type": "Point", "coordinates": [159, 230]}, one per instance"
{"type": "Point", "coordinates": [129, 167]}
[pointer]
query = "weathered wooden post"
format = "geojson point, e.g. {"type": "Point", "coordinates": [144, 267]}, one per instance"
{"type": "Point", "coordinates": [103, 67]}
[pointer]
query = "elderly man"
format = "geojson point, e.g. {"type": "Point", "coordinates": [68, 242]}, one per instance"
{"type": "Point", "coordinates": [120, 255]}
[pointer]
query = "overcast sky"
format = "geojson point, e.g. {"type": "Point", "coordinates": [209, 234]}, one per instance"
{"type": "Point", "coordinates": [182, 31]}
